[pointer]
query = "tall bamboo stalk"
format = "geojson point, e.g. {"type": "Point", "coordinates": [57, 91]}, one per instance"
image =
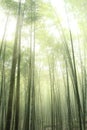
{"type": "Point", "coordinates": [13, 71]}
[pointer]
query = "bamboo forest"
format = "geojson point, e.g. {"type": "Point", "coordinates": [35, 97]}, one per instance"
{"type": "Point", "coordinates": [43, 64]}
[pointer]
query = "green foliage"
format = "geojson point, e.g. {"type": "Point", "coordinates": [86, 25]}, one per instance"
{"type": "Point", "coordinates": [43, 75]}
{"type": "Point", "coordinates": [10, 5]}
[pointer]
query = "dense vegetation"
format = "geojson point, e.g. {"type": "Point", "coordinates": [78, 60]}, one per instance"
{"type": "Point", "coordinates": [43, 65]}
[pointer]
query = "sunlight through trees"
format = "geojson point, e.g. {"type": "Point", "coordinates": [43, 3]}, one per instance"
{"type": "Point", "coordinates": [43, 65]}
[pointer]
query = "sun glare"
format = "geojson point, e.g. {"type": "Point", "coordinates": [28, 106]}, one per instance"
{"type": "Point", "coordinates": [59, 9]}
{"type": "Point", "coordinates": [59, 6]}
